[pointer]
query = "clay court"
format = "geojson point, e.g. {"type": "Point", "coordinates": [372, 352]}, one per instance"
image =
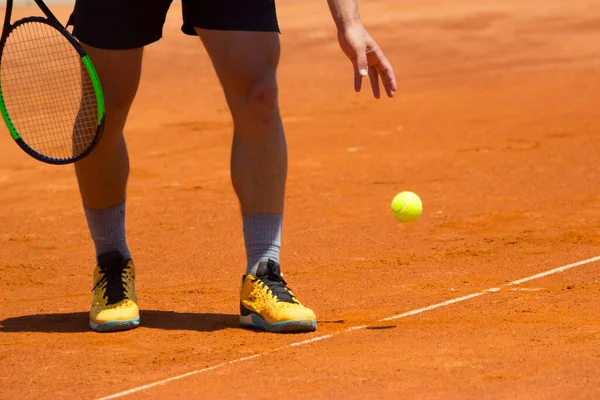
{"type": "Point", "coordinates": [495, 125]}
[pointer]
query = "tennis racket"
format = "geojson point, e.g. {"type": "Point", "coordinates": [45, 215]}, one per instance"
{"type": "Point", "coordinates": [50, 95]}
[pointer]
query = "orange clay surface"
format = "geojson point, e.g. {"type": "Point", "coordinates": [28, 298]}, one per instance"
{"type": "Point", "coordinates": [495, 126]}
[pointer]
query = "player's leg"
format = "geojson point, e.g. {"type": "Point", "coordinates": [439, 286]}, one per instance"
{"type": "Point", "coordinates": [113, 34]}
{"type": "Point", "coordinates": [102, 178]}
{"type": "Point", "coordinates": [243, 43]}
{"type": "Point", "coordinates": [246, 64]}
{"type": "Point", "coordinates": [102, 175]}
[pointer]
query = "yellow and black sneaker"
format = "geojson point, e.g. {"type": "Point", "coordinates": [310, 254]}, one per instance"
{"type": "Point", "coordinates": [114, 305]}
{"type": "Point", "coordinates": [267, 303]}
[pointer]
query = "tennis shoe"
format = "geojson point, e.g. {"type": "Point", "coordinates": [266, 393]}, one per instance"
{"type": "Point", "coordinates": [114, 304]}
{"type": "Point", "coordinates": [267, 303]}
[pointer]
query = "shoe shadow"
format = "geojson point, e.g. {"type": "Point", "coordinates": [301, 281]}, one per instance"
{"type": "Point", "coordinates": [154, 319]}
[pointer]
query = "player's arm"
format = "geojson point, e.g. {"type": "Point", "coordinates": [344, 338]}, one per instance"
{"type": "Point", "coordinates": [366, 56]}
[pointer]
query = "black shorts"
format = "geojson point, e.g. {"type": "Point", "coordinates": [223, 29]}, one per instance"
{"type": "Point", "coordinates": [128, 24]}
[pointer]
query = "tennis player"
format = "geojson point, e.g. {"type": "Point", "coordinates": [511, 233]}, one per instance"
{"type": "Point", "coordinates": [242, 40]}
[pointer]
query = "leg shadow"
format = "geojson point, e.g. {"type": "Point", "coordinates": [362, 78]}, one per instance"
{"type": "Point", "coordinates": [154, 319]}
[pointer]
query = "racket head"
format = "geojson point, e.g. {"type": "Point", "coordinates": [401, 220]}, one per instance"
{"type": "Point", "coordinates": [50, 95]}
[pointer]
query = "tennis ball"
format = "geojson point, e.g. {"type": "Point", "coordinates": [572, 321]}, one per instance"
{"type": "Point", "coordinates": [407, 206]}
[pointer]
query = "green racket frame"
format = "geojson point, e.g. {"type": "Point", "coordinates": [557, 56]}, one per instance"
{"type": "Point", "coordinates": [52, 21]}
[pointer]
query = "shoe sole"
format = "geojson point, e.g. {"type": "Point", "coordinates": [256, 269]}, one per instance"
{"type": "Point", "coordinates": [113, 326]}
{"type": "Point", "coordinates": [255, 321]}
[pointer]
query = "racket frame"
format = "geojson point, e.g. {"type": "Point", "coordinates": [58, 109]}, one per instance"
{"type": "Point", "coordinates": [53, 22]}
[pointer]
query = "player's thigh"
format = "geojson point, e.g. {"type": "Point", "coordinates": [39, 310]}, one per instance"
{"type": "Point", "coordinates": [242, 39]}
{"type": "Point", "coordinates": [114, 33]}
{"type": "Point", "coordinates": [242, 60]}
{"type": "Point", "coordinates": [119, 72]}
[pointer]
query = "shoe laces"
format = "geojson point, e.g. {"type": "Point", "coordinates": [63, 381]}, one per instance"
{"type": "Point", "coordinates": [270, 276]}
{"type": "Point", "coordinates": [112, 281]}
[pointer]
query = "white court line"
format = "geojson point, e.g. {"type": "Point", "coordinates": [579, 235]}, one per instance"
{"type": "Point", "coordinates": [433, 307]}
{"type": "Point", "coordinates": [555, 270]}
{"type": "Point", "coordinates": [352, 329]}
{"type": "Point", "coordinates": [356, 328]}
{"type": "Point", "coordinates": [307, 341]}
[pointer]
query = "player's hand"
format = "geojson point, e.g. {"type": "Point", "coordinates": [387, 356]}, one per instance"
{"type": "Point", "coordinates": [367, 59]}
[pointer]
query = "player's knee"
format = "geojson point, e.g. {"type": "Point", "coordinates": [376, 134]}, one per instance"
{"type": "Point", "coordinates": [260, 99]}
{"type": "Point", "coordinates": [118, 106]}
{"type": "Point", "coordinates": [116, 111]}
{"type": "Point", "coordinates": [118, 101]}
{"type": "Point", "coordinates": [263, 94]}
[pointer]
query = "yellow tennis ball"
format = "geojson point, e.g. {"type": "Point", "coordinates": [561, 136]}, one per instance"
{"type": "Point", "coordinates": [407, 206]}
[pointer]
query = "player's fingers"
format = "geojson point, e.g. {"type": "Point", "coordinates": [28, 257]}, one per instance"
{"type": "Point", "coordinates": [361, 67]}
{"type": "Point", "coordinates": [388, 85]}
{"type": "Point", "coordinates": [357, 80]}
{"type": "Point", "coordinates": [374, 78]}
{"type": "Point", "coordinates": [384, 68]}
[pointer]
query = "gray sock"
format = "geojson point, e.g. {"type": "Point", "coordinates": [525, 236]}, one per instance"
{"type": "Point", "coordinates": [262, 236]}
{"type": "Point", "coordinates": [107, 227]}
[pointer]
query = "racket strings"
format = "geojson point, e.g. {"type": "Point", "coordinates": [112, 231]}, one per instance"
{"type": "Point", "coordinates": [49, 95]}
{"type": "Point", "coordinates": [57, 63]}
